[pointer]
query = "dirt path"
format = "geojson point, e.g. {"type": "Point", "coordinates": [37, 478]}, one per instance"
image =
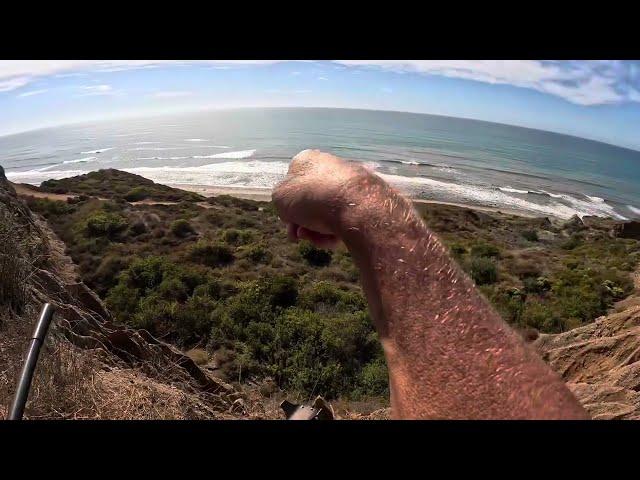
{"type": "Point", "coordinates": [26, 191]}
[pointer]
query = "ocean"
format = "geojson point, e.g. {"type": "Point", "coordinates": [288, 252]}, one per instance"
{"type": "Point", "coordinates": [429, 157]}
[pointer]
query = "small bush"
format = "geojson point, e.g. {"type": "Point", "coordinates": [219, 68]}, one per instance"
{"type": "Point", "coordinates": [530, 235]}
{"type": "Point", "coordinates": [211, 254]}
{"type": "Point", "coordinates": [537, 285]}
{"type": "Point", "coordinates": [258, 254]}
{"type": "Point", "coordinates": [483, 271]}
{"type": "Point", "coordinates": [572, 242]}
{"type": "Point", "coordinates": [374, 379]}
{"type": "Point", "coordinates": [181, 228]}
{"type": "Point", "coordinates": [483, 249]}
{"type": "Point", "coordinates": [137, 228]}
{"type": "Point", "coordinates": [105, 224]}
{"type": "Point", "coordinates": [313, 255]}
{"type": "Point", "coordinates": [233, 236]}
{"type": "Point", "coordinates": [457, 249]}
{"type": "Point", "coordinates": [137, 194]}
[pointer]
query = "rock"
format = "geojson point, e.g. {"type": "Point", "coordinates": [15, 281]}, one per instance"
{"type": "Point", "coordinates": [574, 224]}
{"type": "Point", "coordinates": [627, 230]}
{"type": "Point", "coordinates": [600, 363]}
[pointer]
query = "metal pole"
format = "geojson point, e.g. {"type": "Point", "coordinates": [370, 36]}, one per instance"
{"type": "Point", "coordinates": [24, 382]}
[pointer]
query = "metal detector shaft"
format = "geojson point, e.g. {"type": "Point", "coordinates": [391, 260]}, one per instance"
{"type": "Point", "coordinates": [24, 382]}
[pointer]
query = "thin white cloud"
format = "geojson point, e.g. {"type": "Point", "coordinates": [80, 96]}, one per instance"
{"type": "Point", "coordinates": [13, 83]}
{"type": "Point", "coordinates": [17, 73]}
{"type": "Point", "coordinates": [323, 78]}
{"type": "Point", "coordinates": [580, 82]}
{"type": "Point", "coordinates": [286, 92]}
{"type": "Point", "coordinates": [172, 94]}
{"type": "Point", "coordinates": [33, 92]}
{"type": "Point", "coordinates": [91, 90]}
{"type": "Point", "coordinates": [69, 75]}
{"type": "Point", "coordinates": [296, 73]}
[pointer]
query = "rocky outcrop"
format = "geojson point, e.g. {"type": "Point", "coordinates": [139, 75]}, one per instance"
{"type": "Point", "coordinates": [600, 363]}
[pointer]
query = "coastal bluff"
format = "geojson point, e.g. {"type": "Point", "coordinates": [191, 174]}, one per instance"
{"type": "Point", "coordinates": [97, 367]}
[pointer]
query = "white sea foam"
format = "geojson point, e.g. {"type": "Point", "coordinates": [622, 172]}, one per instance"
{"type": "Point", "coordinates": [553, 195]}
{"type": "Point", "coordinates": [195, 140]}
{"type": "Point", "coordinates": [81, 160]}
{"type": "Point", "coordinates": [512, 190]}
{"type": "Point", "coordinates": [99, 150]}
{"type": "Point", "coordinates": [496, 198]}
{"type": "Point", "coordinates": [447, 169]}
{"type": "Point", "coordinates": [634, 209]}
{"type": "Point", "coordinates": [253, 173]}
{"type": "Point", "coordinates": [224, 155]}
{"type": "Point", "coordinates": [237, 154]}
{"type": "Point", "coordinates": [132, 134]}
{"type": "Point", "coordinates": [409, 162]}
{"type": "Point", "coordinates": [145, 143]}
{"type": "Point", "coordinates": [36, 177]}
{"type": "Point", "coordinates": [159, 149]}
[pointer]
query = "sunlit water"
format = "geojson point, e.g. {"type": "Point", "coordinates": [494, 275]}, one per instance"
{"type": "Point", "coordinates": [431, 157]}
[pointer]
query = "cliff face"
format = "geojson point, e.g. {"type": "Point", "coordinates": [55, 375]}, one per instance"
{"type": "Point", "coordinates": [601, 361]}
{"type": "Point", "coordinates": [90, 367]}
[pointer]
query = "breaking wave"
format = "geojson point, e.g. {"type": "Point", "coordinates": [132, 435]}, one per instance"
{"type": "Point", "coordinates": [565, 206]}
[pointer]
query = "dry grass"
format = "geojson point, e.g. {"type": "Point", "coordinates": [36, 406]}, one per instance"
{"type": "Point", "coordinates": [14, 267]}
{"type": "Point", "coordinates": [71, 383]}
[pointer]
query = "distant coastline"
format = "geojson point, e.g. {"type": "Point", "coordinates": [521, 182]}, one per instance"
{"type": "Point", "coordinates": [264, 195]}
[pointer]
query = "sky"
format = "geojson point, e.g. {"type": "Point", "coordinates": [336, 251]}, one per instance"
{"type": "Point", "coordinates": [599, 100]}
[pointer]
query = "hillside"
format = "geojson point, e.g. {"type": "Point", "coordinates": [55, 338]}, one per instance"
{"type": "Point", "coordinates": [262, 318]}
{"type": "Point", "coordinates": [90, 367]}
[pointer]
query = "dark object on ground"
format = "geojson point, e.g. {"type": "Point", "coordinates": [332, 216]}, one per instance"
{"type": "Point", "coordinates": [320, 410]}
{"type": "Point", "coordinates": [24, 382]}
{"type": "Point", "coordinates": [628, 230]}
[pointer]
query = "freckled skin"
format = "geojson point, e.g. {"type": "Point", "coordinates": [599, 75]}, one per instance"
{"type": "Point", "coordinates": [450, 355]}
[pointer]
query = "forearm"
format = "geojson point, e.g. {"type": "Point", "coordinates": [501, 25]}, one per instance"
{"type": "Point", "coordinates": [449, 353]}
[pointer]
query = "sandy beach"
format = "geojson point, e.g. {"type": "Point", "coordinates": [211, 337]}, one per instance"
{"type": "Point", "coordinates": [264, 195]}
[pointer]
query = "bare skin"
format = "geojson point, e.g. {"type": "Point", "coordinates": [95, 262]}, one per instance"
{"type": "Point", "coordinates": [448, 352]}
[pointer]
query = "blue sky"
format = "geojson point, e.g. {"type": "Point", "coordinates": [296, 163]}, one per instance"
{"type": "Point", "coordinates": [592, 99]}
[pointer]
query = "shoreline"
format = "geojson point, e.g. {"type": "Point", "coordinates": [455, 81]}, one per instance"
{"type": "Point", "coordinates": [264, 195]}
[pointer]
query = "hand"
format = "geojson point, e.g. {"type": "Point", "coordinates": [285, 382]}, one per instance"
{"type": "Point", "coordinates": [311, 198]}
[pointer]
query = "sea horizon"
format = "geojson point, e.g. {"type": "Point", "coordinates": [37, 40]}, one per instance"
{"type": "Point", "coordinates": [431, 157]}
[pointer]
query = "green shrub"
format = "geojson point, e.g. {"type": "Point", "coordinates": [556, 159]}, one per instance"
{"type": "Point", "coordinates": [313, 255]}
{"type": "Point", "coordinates": [258, 254]}
{"type": "Point", "coordinates": [374, 379]}
{"type": "Point", "coordinates": [537, 285]}
{"type": "Point", "coordinates": [181, 228]}
{"type": "Point", "coordinates": [122, 301]}
{"type": "Point", "coordinates": [326, 296]}
{"type": "Point", "coordinates": [137, 194]}
{"type": "Point", "coordinates": [173, 288]}
{"type": "Point", "coordinates": [483, 271]}
{"type": "Point", "coordinates": [105, 224]}
{"type": "Point", "coordinates": [540, 316]}
{"type": "Point", "coordinates": [483, 249]}
{"type": "Point", "coordinates": [457, 249]}
{"type": "Point", "coordinates": [211, 254]}
{"type": "Point", "coordinates": [572, 242]}
{"type": "Point", "coordinates": [234, 236]}
{"type": "Point", "coordinates": [531, 235]}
